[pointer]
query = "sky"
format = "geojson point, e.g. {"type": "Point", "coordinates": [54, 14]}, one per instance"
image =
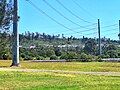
{"type": "Point", "coordinates": [79, 19]}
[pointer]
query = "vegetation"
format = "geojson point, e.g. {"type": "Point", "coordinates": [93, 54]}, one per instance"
{"type": "Point", "coordinates": [36, 46]}
{"type": "Point", "coordinates": [56, 81]}
{"type": "Point", "coordinates": [40, 46]}
{"type": "Point", "coordinates": [6, 10]}
{"type": "Point", "coordinates": [60, 81]}
{"type": "Point", "coordinates": [68, 66]}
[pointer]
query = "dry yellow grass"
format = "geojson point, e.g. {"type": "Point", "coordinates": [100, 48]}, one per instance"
{"type": "Point", "coordinates": [70, 66]}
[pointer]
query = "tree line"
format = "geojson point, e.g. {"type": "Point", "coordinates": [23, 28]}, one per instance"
{"type": "Point", "coordinates": [36, 46]}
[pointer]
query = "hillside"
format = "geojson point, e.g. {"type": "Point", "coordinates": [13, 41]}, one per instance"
{"type": "Point", "coordinates": [43, 46]}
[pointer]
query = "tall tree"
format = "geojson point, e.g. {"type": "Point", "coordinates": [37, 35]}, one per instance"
{"type": "Point", "coordinates": [90, 47]}
{"type": "Point", "coordinates": [6, 9]}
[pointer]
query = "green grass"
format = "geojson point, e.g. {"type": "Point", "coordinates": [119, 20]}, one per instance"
{"type": "Point", "coordinates": [14, 80]}
{"type": "Point", "coordinates": [56, 81]}
{"type": "Point", "coordinates": [70, 66]}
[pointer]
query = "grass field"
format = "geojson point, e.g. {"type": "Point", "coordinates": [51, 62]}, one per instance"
{"type": "Point", "coordinates": [14, 80]}
{"type": "Point", "coordinates": [71, 66]}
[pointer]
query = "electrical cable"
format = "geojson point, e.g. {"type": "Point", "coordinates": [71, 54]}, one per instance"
{"type": "Point", "coordinates": [83, 9]}
{"type": "Point", "coordinates": [63, 15]}
{"type": "Point", "coordinates": [44, 13]}
{"type": "Point", "coordinates": [72, 12]}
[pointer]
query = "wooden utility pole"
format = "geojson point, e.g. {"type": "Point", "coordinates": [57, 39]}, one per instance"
{"type": "Point", "coordinates": [15, 47]}
{"type": "Point", "coordinates": [99, 40]}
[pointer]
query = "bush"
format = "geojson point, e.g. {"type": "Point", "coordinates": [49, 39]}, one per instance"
{"type": "Point", "coordinates": [58, 52]}
{"type": "Point", "coordinates": [99, 59]}
{"type": "Point", "coordinates": [53, 57]}
{"type": "Point", "coordinates": [105, 56]}
{"type": "Point", "coordinates": [40, 58]}
{"type": "Point", "coordinates": [6, 57]}
{"type": "Point", "coordinates": [49, 52]}
{"type": "Point", "coordinates": [23, 55]}
{"type": "Point", "coordinates": [72, 55]}
{"type": "Point", "coordinates": [28, 57]}
{"type": "Point", "coordinates": [85, 58]}
{"type": "Point", "coordinates": [112, 54]}
{"type": "Point", "coordinates": [64, 56]}
{"type": "Point", "coordinates": [69, 55]}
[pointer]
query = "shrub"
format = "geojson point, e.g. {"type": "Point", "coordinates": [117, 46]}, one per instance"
{"type": "Point", "coordinates": [99, 59]}
{"type": "Point", "coordinates": [85, 58]}
{"type": "Point", "coordinates": [6, 57]}
{"type": "Point", "coordinates": [58, 52]}
{"type": "Point", "coordinates": [112, 54]}
{"type": "Point", "coordinates": [22, 55]}
{"type": "Point", "coordinates": [28, 57]}
{"type": "Point", "coordinates": [40, 58]}
{"type": "Point", "coordinates": [105, 56]}
{"type": "Point", "coordinates": [69, 55]}
{"type": "Point", "coordinates": [64, 56]}
{"type": "Point", "coordinates": [53, 57]}
{"type": "Point", "coordinates": [49, 53]}
{"type": "Point", "coordinates": [72, 55]}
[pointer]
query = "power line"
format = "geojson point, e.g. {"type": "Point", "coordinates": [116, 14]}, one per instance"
{"type": "Point", "coordinates": [80, 31]}
{"type": "Point", "coordinates": [72, 12]}
{"type": "Point", "coordinates": [94, 33]}
{"type": "Point", "coordinates": [109, 26]}
{"type": "Point", "coordinates": [110, 34]}
{"type": "Point", "coordinates": [49, 16]}
{"type": "Point", "coordinates": [83, 9]}
{"type": "Point", "coordinates": [91, 33]}
{"type": "Point", "coordinates": [77, 28]}
{"type": "Point", "coordinates": [62, 14]}
{"type": "Point", "coordinates": [111, 29]}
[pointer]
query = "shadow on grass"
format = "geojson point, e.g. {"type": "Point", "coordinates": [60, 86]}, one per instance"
{"type": "Point", "coordinates": [4, 66]}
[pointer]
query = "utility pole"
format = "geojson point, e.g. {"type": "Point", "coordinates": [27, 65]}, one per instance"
{"type": "Point", "coordinates": [99, 40]}
{"type": "Point", "coordinates": [15, 46]}
{"type": "Point", "coordinates": [119, 31]}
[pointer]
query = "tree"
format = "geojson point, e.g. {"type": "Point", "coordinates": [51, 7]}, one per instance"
{"type": "Point", "coordinates": [111, 47]}
{"type": "Point", "coordinates": [58, 51]}
{"type": "Point", "coordinates": [50, 52]}
{"type": "Point", "coordinates": [6, 9]}
{"type": "Point", "coordinates": [5, 51]}
{"type": "Point", "coordinates": [90, 47]}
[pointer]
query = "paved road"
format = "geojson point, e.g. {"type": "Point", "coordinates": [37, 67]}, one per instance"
{"type": "Point", "coordinates": [62, 71]}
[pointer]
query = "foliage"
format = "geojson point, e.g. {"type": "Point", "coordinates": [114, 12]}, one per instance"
{"type": "Point", "coordinates": [58, 51]}
{"type": "Point", "coordinates": [64, 56]}
{"type": "Point", "coordinates": [49, 52]}
{"type": "Point", "coordinates": [90, 47]}
{"type": "Point", "coordinates": [39, 58]}
{"type": "Point", "coordinates": [27, 57]}
{"type": "Point", "coordinates": [85, 58]}
{"type": "Point", "coordinates": [43, 45]}
{"type": "Point", "coordinates": [112, 54]}
{"type": "Point", "coordinates": [72, 55]}
{"type": "Point", "coordinates": [69, 56]}
{"type": "Point", "coordinates": [6, 12]}
{"type": "Point", "coordinates": [53, 57]}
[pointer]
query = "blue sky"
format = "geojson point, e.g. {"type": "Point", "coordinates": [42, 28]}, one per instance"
{"type": "Point", "coordinates": [90, 10]}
